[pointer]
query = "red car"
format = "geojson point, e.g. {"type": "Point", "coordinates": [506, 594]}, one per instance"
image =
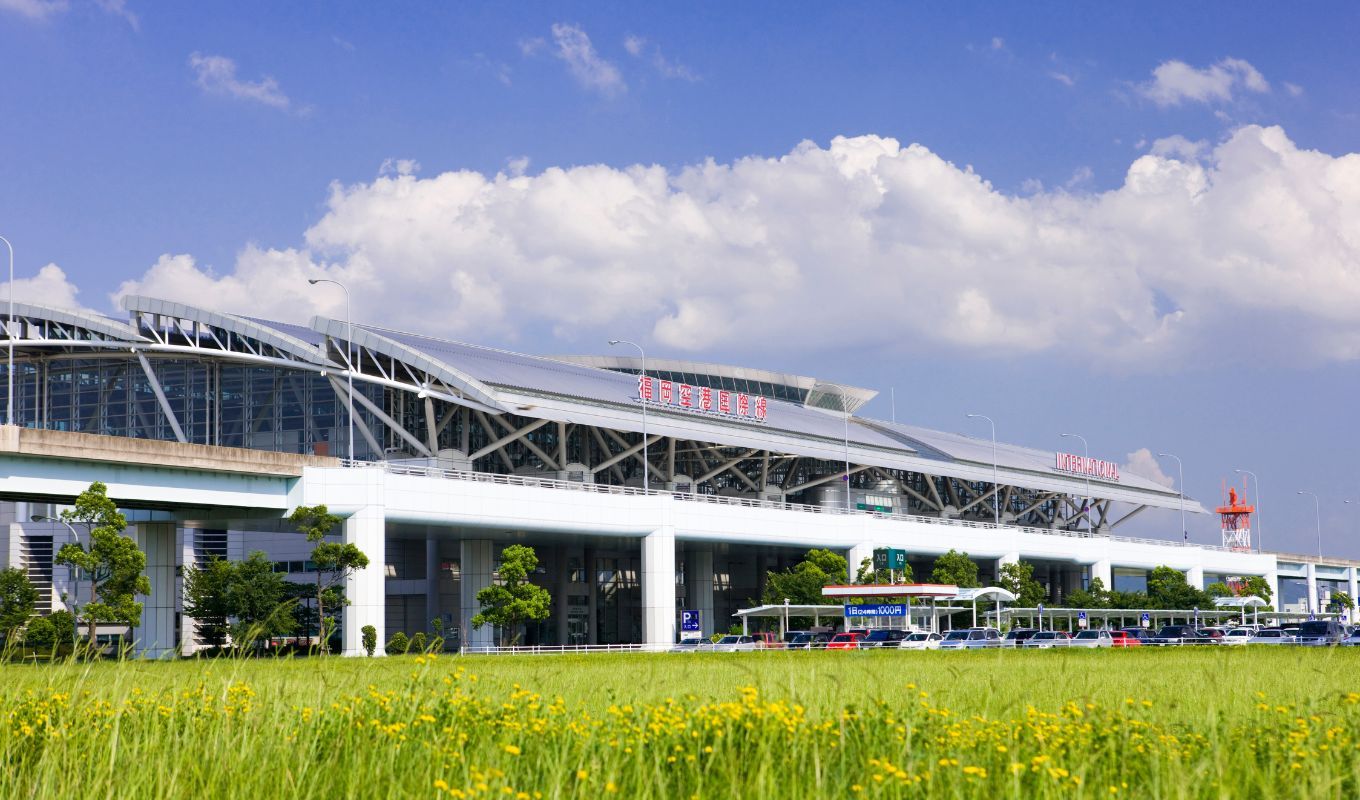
{"type": "Point", "coordinates": [1124, 639]}
{"type": "Point", "coordinates": [844, 641]}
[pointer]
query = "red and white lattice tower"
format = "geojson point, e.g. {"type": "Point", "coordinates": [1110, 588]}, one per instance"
{"type": "Point", "coordinates": [1236, 522]}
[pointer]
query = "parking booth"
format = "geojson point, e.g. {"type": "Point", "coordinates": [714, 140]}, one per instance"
{"type": "Point", "coordinates": [1243, 603]}
{"type": "Point", "coordinates": [891, 591]}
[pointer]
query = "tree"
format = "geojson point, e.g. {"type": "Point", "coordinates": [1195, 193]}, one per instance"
{"type": "Point", "coordinates": [1017, 577]}
{"type": "Point", "coordinates": [514, 600]}
{"type": "Point", "coordinates": [370, 634]}
{"type": "Point", "coordinates": [1257, 586]}
{"type": "Point", "coordinates": [112, 564]}
{"type": "Point", "coordinates": [955, 568]}
{"type": "Point", "coordinates": [1094, 595]}
{"type": "Point", "coordinates": [1167, 588]}
{"type": "Point", "coordinates": [1218, 589]}
{"type": "Point", "coordinates": [335, 561]}
{"type": "Point", "coordinates": [18, 601]}
{"type": "Point", "coordinates": [802, 585]}
{"type": "Point", "coordinates": [867, 573]}
{"type": "Point", "coordinates": [1340, 601]}
{"type": "Point", "coordinates": [207, 598]}
{"type": "Point", "coordinates": [259, 600]}
{"type": "Point", "coordinates": [41, 634]}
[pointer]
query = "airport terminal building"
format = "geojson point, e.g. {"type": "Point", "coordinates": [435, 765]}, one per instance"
{"type": "Point", "coordinates": [643, 492]}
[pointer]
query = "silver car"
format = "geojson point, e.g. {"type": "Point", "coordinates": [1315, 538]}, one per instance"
{"type": "Point", "coordinates": [971, 638]}
{"type": "Point", "coordinates": [1237, 636]}
{"type": "Point", "coordinates": [1092, 639]}
{"type": "Point", "coordinates": [733, 644]}
{"type": "Point", "coordinates": [1271, 636]}
{"type": "Point", "coordinates": [1046, 640]}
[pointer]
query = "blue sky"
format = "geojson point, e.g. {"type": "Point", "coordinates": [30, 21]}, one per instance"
{"type": "Point", "coordinates": [1031, 259]}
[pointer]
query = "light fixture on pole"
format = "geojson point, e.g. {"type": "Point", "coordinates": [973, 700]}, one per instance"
{"type": "Point", "coordinates": [845, 415]}
{"type": "Point", "coordinates": [1259, 524]}
{"type": "Point", "coordinates": [349, 355]}
{"type": "Point", "coordinates": [1086, 471]}
{"type": "Point", "coordinates": [646, 462]}
{"type": "Point", "coordinates": [1185, 532]}
{"type": "Point", "coordinates": [1317, 510]}
{"type": "Point", "coordinates": [996, 482]}
{"type": "Point", "coordinates": [9, 336]}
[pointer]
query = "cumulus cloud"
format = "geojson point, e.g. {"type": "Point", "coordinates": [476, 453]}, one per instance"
{"type": "Point", "coordinates": [1145, 465]}
{"type": "Point", "coordinates": [1175, 82]}
{"type": "Point", "coordinates": [49, 287]}
{"type": "Point", "coordinates": [1178, 146]}
{"type": "Point", "coordinates": [1252, 250]}
{"type": "Point", "coordinates": [217, 75]}
{"type": "Point", "coordinates": [586, 65]}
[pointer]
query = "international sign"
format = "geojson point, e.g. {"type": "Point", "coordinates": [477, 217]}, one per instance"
{"type": "Point", "coordinates": [689, 620]}
{"type": "Point", "coordinates": [1081, 619]}
{"type": "Point", "coordinates": [701, 399]}
{"type": "Point", "coordinates": [890, 558]}
{"type": "Point", "coordinates": [1088, 467]}
{"type": "Point", "coordinates": [883, 610]}
{"type": "Point", "coordinates": [1145, 619]}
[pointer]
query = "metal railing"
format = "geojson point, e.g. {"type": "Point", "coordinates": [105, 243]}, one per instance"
{"type": "Point", "coordinates": [558, 649]}
{"type": "Point", "coordinates": [745, 502]}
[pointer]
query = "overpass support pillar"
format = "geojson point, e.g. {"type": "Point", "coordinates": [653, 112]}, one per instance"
{"type": "Point", "coordinates": [478, 562]}
{"type": "Point", "coordinates": [1312, 588]}
{"type": "Point", "coordinates": [1273, 580]}
{"type": "Point", "coordinates": [154, 636]}
{"type": "Point", "coordinates": [658, 588]}
{"type": "Point", "coordinates": [1195, 577]}
{"type": "Point", "coordinates": [1352, 584]}
{"type": "Point", "coordinates": [1101, 569]}
{"type": "Point", "coordinates": [856, 556]}
{"type": "Point", "coordinates": [366, 589]}
{"type": "Point", "coordinates": [699, 585]}
{"type": "Point", "coordinates": [432, 609]}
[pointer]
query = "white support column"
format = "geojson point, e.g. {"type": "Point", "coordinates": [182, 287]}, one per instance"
{"type": "Point", "coordinates": [1312, 604]}
{"type": "Point", "coordinates": [188, 628]}
{"type": "Point", "coordinates": [478, 562]}
{"type": "Point", "coordinates": [1102, 569]}
{"type": "Point", "coordinates": [154, 636]}
{"type": "Point", "coordinates": [699, 576]}
{"type": "Point", "coordinates": [1195, 577]}
{"type": "Point", "coordinates": [856, 555]}
{"type": "Point", "coordinates": [366, 589]}
{"type": "Point", "coordinates": [431, 581]}
{"type": "Point", "coordinates": [1352, 584]}
{"type": "Point", "coordinates": [1273, 580]}
{"type": "Point", "coordinates": [658, 588]}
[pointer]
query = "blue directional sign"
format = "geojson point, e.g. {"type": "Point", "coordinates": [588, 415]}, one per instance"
{"type": "Point", "coordinates": [689, 620]}
{"type": "Point", "coordinates": [884, 610]}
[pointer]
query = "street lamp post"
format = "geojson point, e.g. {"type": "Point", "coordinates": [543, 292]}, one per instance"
{"type": "Point", "coordinates": [349, 355]}
{"type": "Point", "coordinates": [1317, 510]}
{"type": "Point", "coordinates": [1185, 532]}
{"type": "Point", "coordinates": [646, 462]}
{"type": "Point", "coordinates": [996, 482]}
{"type": "Point", "coordinates": [845, 415]}
{"type": "Point", "coordinates": [75, 603]}
{"type": "Point", "coordinates": [9, 335]}
{"type": "Point", "coordinates": [1259, 524]}
{"type": "Point", "coordinates": [1086, 470]}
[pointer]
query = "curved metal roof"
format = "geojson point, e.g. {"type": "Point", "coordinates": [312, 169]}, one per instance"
{"type": "Point", "coordinates": [266, 333]}
{"type": "Point", "coordinates": [94, 323]}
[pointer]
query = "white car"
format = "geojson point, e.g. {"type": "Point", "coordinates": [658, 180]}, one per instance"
{"type": "Point", "coordinates": [1353, 640]}
{"type": "Point", "coordinates": [1271, 636]}
{"type": "Point", "coordinates": [733, 644]}
{"type": "Point", "coordinates": [1237, 636]}
{"type": "Point", "coordinates": [971, 638]}
{"type": "Point", "coordinates": [921, 640]}
{"type": "Point", "coordinates": [1046, 640]}
{"type": "Point", "coordinates": [1092, 639]}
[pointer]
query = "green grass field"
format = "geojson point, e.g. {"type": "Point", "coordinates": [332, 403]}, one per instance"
{"type": "Point", "coordinates": [1213, 722]}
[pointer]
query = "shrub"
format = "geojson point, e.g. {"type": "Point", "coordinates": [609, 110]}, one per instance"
{"type": "Point", "coordinates": [370, 639]}
{"type": "Point", "coordinates": [40, 634]}
{"type": "Point", "coordinates": [398, 644]}
{"type": "Point", "coordinates": [418, 643]}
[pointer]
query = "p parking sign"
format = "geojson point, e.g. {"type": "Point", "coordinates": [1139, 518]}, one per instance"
{"type": "Point", "coordinates": [690, 624]}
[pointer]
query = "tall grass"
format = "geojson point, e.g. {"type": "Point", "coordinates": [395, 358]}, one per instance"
{"type": "Point", "coordinates": [1213, 722]}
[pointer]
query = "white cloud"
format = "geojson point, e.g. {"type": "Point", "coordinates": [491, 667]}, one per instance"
{"type": "Point", "coordinates": [118, 8]}
{"type": "Point", "coordinates": [49, 287]}
{"type": "Point", "coordinates": [217, 75]}
{"type": "Point", "coordinates": [532, 46]}
{"type": "Point", "coordinates": [35, 9]}
{"type": "Point", "coordinates": [586, 65]}
{"type": "Point", "coordinates": [1250, 251]}
{"type": "Point", "coordinates": [1063, 78]}
{"type": "Point", "coordinates": [998, 43]}
{"type": "Point", "coordinates": [1294, 89]}
{"type": "Point", "coordinates": [1178, 146]}
{"type": "Point", "coordinates": [1145, 465]}
{"type": "Point", "coordinates": [399, 166]}
{"type": "Point", "coordinates": [637, 47]}
{"type": "Point", "coordinates": [1081, 176]}
{"type": "Point", "coordinates": [1175, 82]}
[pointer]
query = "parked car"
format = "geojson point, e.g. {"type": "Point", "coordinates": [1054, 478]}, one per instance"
{"type": "Point", "coordinates": [1211, 635]}
{"type": "Point", "coordinates": [1238, 636]}
{"type": "Point", "coordinates": [1353, 640]}
{"type": "Point", "coordinates": [1179, 634]}
{"type": "Point", "coordinates": [921, 640]}
{"type": "Point", "coordinates": [1141, 635]}
{"type": "Point", "coordinates": [1320, 633]}
{"type": "Point", "coordinates": [692, 646]}
{"type": "Point", "coordinates": [1093, 639]}
{"type": "Point", "coordinates": [733, 643]}
{"type": "Point", "coordinates": [768, 640]}
{"type": "Point", "coordinates": [809, 640]}
{"type": "Point", "coordinates": [1124, 639]}
{"type": "Point", "coordinates": [1271, 636]}
{"type": "Point", "coordinates": [1046, 640]}
{"type": "Point", "coordinates": [883, 638]}
{"type": "Point", "coordinates": [971, 638]}
{"type": "Point", "coordinates": [844, 641]}
{"type": "Point", "coordinates": [1015, 636]}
